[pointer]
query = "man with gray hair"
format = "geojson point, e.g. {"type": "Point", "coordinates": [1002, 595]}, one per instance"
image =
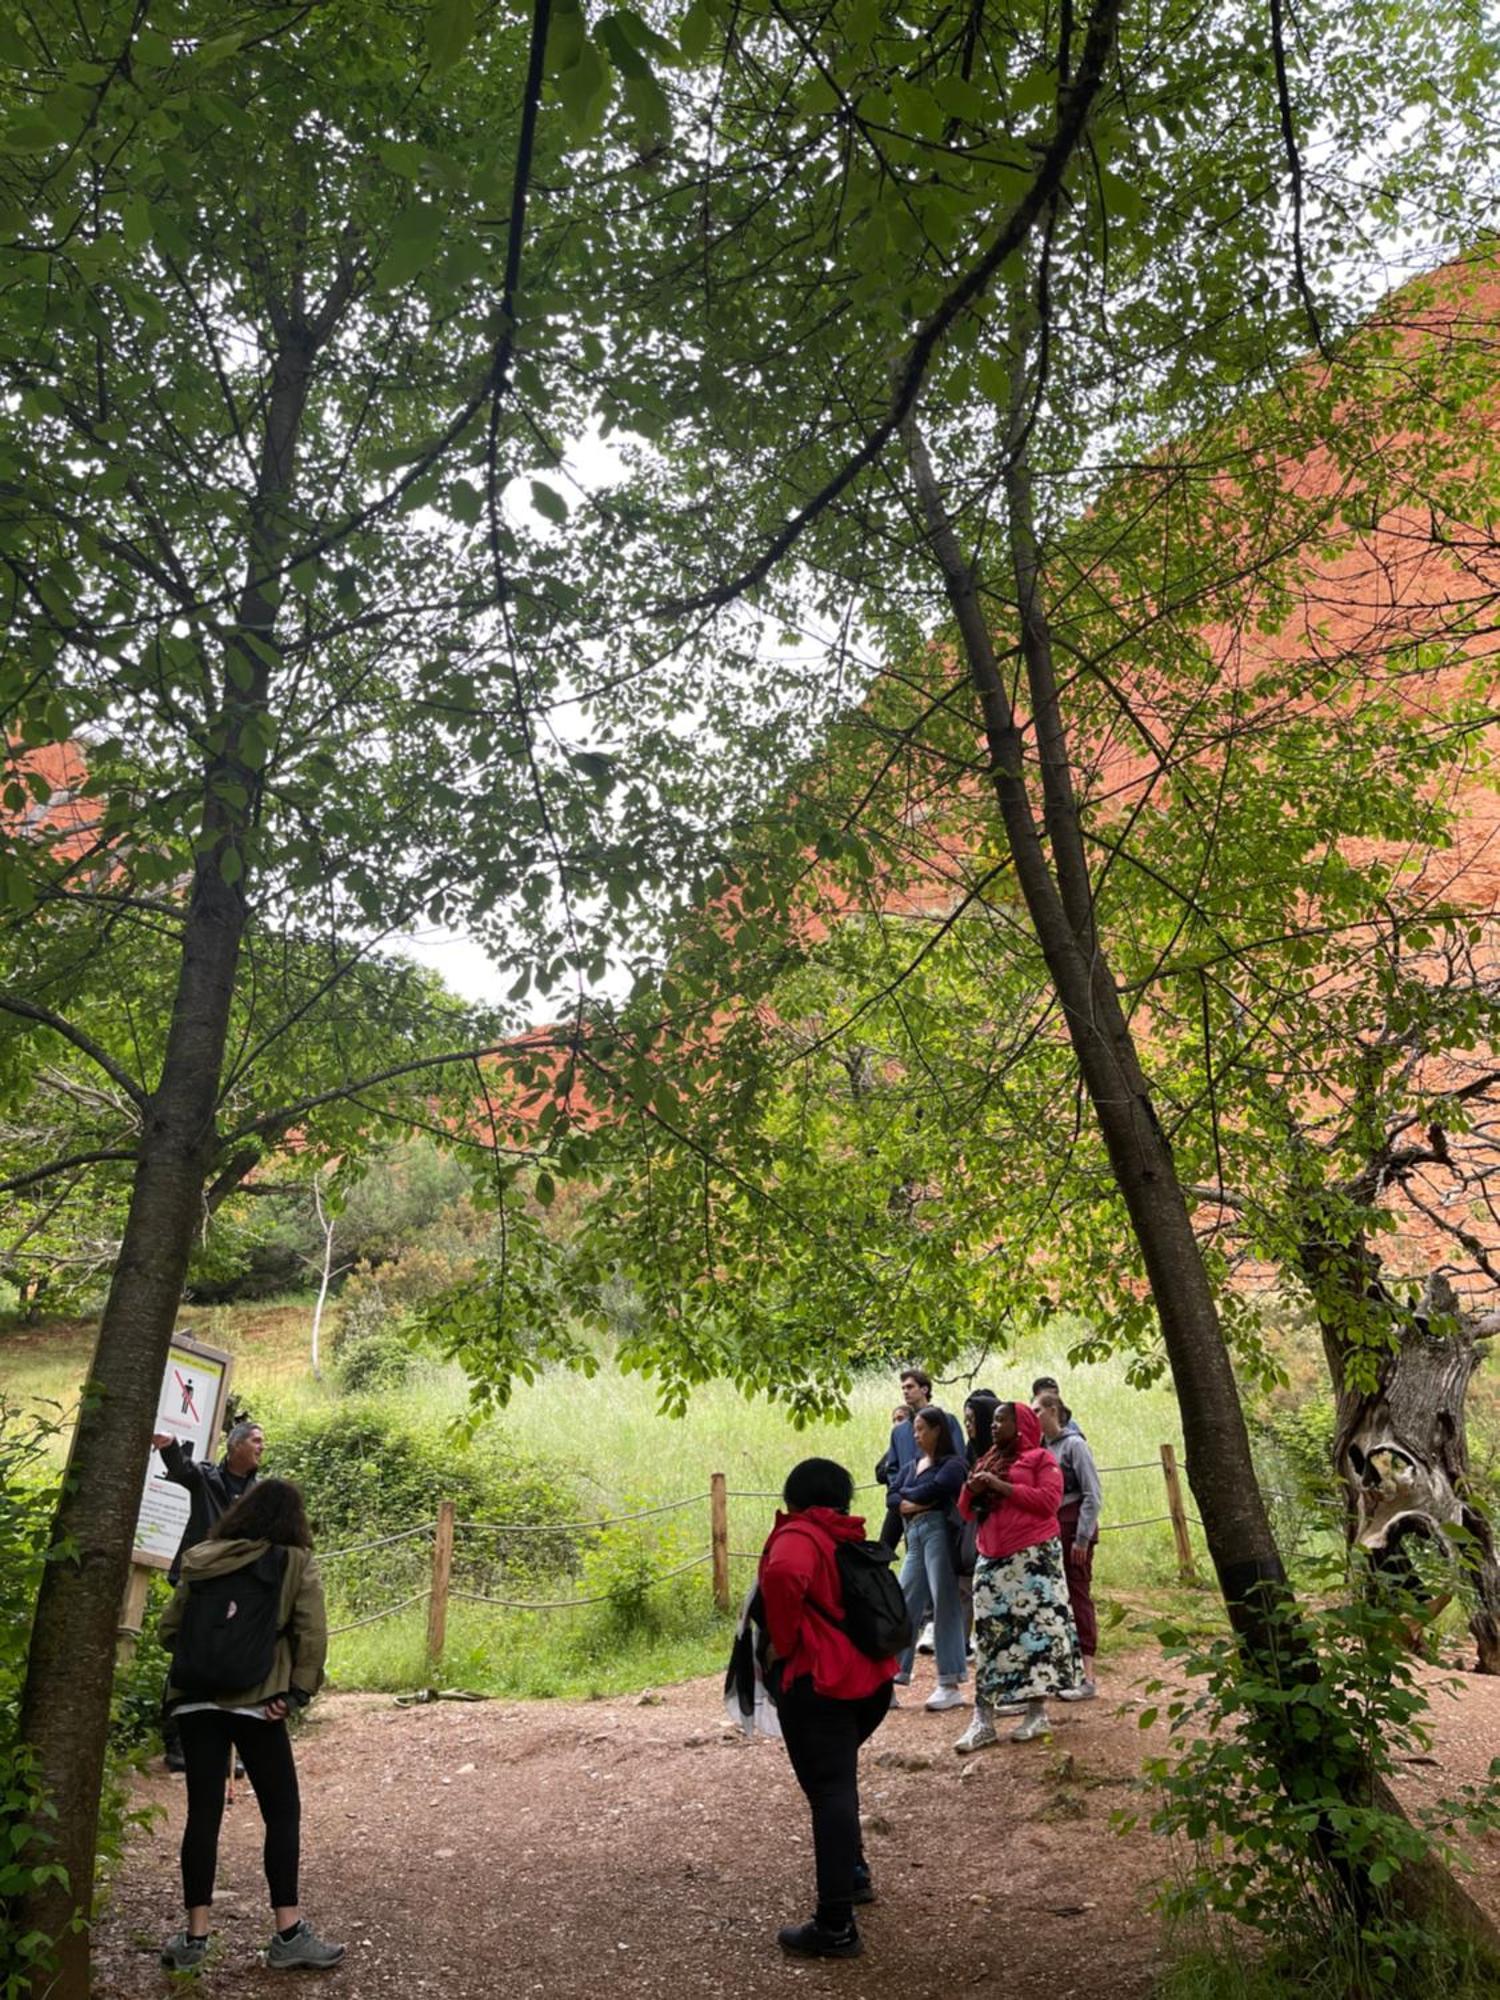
{"type": "Point", "coordinates": [212, 1491]}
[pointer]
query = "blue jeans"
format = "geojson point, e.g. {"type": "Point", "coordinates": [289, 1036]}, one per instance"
{"type": "Point", "coordinates": [930, 1585]}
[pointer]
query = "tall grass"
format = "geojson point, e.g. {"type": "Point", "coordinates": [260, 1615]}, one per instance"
{"type": "Point", "coordinates": [608, 1436]}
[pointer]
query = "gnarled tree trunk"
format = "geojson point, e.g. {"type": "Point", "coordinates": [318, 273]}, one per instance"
{"type": "Point", "coordinates": [1401, 1444]}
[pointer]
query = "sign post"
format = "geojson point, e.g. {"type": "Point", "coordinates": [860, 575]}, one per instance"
{"type": "Point", "coordinates": [190, 1406]}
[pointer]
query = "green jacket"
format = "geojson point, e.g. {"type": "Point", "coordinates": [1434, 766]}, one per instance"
{"type": "Point", "coordinates": [302, 1617]}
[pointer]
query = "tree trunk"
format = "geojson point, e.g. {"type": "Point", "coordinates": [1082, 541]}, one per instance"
{"type": "Point", "coordinates": [327, 1224]}
{"type": "Point", "coordinates": [70, 1668]}
{"type": "Point", "coordinates": [1059, 899]}
{"type": "Point", "coordinates": [1401, 1444]}
{"type": "Point", "coordinates": [1055, 883]}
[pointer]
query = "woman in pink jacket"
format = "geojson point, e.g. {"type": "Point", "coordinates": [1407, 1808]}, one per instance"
{"type": "Point", "coordinates": [1025, 1642]}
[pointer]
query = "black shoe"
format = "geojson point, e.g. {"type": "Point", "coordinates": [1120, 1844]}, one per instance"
{"type": "Point", "coordinates": [864, 1888]}
{"type": "Point", "coordinates": [815, 1940]}
{"type": "Point", "coordinates": [175, 1761]}
{"type": "Point", "coordinates": [239, 1769]}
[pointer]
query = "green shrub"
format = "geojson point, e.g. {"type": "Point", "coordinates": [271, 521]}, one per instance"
{"type": "Point", "coordinates": [628, 1565]}
{"type": "Point", "coordinates": [373, 1466]}
{"type": "Point", "coordinates": [379, 1360]}
{"type": "Point", "coordinates": [28, 1494]}
{"type": "Point", "coordinates": [1270, 1787]}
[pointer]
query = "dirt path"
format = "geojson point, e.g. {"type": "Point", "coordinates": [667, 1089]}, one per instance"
{"type": "Point", "coordinates": [634, 1848]}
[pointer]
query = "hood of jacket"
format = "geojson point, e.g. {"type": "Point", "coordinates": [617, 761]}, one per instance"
{"type": "Point", "coordinates": [219, 1558]}
{"type": "Point", "coordinates": [1028, 1428]}
{"type": "Point", "coordinates": [842, 1527]}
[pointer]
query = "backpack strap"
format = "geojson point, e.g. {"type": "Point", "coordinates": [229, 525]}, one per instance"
{"type": "Point", "coordinates": [818, 1542]}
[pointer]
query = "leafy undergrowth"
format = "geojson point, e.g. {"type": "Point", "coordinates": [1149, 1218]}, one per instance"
{"type": "Point", "coordinates": [1226, 1968]}
{"type": "Point", "coordinates": [570, 1655]}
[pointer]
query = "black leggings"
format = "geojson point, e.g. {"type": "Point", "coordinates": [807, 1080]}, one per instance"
{"type": "Point", "coordinates": [822, 1738]}
{"type": "Point", "coordinates": [207, 1737]}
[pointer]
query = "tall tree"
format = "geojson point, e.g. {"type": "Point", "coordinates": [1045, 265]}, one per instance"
{"type": "Point", "coordinates": [261, 352]}
{"type": "Point", "coordinates": [1016, 250]}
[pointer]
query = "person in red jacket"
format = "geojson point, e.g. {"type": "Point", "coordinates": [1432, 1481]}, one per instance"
{"type": "Point", "coordinates": [829, 1695]}
{"type": "Point", "coordinates": [1025, 1641]}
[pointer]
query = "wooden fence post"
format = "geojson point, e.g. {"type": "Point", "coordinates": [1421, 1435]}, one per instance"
{"type": "Point", "coordinates": [1178, 1512]}
{"type": "Point", "coordinates": [442, 1572]}
{"type": "Point", "coordinates": [718, 1509]}
{"type": "Point", "coordinates": [133, 1611]}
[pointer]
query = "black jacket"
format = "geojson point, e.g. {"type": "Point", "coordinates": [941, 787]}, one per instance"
{"type": "Point", "coordinates": [212, 1491]}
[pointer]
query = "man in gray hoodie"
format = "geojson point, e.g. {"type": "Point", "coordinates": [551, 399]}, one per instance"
{"type": "Point", "coordinates": [1078, 1525]}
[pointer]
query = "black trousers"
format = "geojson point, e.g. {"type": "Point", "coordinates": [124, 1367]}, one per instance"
{"type": "Point", "coordinates": [207, 1737]}
{"type": "Point", "coordinates": [822, 1738]}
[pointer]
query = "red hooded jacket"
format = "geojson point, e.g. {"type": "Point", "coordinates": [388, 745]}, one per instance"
{"type": "Point", "coordinates": [1028, 1513]}
{"type": "Point", "coordinates": [798, 1562]}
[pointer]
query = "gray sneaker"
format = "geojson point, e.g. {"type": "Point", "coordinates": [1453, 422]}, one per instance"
{"type": "Point", "coordinates": [303, 1948]}
{"type": "Point", "coordinates": [182, 1953]}
{"type": "Point", "coordinates": [1085, 1691]}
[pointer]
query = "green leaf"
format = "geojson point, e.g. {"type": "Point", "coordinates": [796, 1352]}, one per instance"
{"type": "Point", "coordinates": [584, 89]}
{"type": "Point", "coordinates": [465, 502]}
{"type": "Point", "coordinates": [450, 29]}
{"type": "Point", "coordinates": [647, 104]}
{"type": "Point", "coordinates": [548, 502]}
{"type": "Point", "coordinates": [413, 239]}
{"type": "Point", "coordinates": [696, 34]}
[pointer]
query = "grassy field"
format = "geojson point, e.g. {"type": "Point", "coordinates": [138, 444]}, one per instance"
{"type": "Point", "coordinates": [621, 1454]}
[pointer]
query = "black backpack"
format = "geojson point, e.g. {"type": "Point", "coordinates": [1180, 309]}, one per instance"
{"type": "Point", "coordinates": [875, 1616]}
{"type": "Point", "coordinates": [227, 1638]}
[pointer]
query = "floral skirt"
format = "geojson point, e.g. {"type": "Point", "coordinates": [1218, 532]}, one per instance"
{"type": "Point", "coordinates": [1025, 1641]}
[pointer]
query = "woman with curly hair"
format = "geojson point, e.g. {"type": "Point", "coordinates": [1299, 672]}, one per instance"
{"type": "Point", "coordinates": [1025, 1642]}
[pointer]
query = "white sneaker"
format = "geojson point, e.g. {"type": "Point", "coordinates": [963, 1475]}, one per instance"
{"type": "Point", "coordinates": [946, 1697]}
{"type": "Point", "coordinates": [1085, 1691]}
{"type": "Point", "coordinates": [926, 1644]}
{"type": "Point", "coordinates": [1035, 1724]}
{"type": "Point", "coordinates": [979, 1735]}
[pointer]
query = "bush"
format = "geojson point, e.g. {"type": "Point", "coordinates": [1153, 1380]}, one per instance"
{"type": "Point", "coordinates": [28, 1493]}
{"type": "Point", "coordinates": [382, 1359]}
{"type": "Point", "coordinates": [371, 1467]}
{"type": "Point", "coordinates": [1294, 1460]}
{"type": "Point", "coordinates": [1308, 1858]}
{"type": "Point", "coordinates": [626, 1563]}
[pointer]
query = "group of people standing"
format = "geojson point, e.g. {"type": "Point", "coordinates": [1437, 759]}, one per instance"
{"type": "Point", "coordinates": [1000, 1516]}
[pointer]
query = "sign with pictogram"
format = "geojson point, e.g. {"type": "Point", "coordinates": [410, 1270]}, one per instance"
{"type": "Point", "coordinates": [190, 1407]}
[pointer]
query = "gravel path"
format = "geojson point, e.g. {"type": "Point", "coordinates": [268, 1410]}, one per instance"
{"type": "Point", "coordinates": [634, 1847]}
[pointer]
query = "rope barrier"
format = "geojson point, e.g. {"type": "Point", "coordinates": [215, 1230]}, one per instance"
{"type": "Point", "coordinates": [384, 1542]}
{"type": "Point", "coordinates": [1142, 1465]}
{"type": "Point", "coordinates": [1116, 1527]}
{"type": "Point", "coordinates": [552, 1527]}
{"type": "Point", "coordinates": [417, 1597]}
{"type": "Point", "coordinates": [570, 1603]}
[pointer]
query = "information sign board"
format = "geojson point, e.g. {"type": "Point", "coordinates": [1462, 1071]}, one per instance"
{"type": "Point", "coordinates": [194, 1388]}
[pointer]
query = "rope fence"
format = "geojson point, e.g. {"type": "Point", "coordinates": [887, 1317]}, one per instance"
{"type": "Point", "coordinates": [441, 1589]}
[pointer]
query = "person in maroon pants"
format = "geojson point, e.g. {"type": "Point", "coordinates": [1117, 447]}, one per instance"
{"type": "Point", "coordinates": [1078, 1524]}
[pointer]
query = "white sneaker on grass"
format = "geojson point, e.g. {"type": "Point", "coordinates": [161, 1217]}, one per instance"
{"type": "Point", "coordinates": [947, 1697]}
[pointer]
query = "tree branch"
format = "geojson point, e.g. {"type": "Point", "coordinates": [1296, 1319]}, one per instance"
{"type": "Point", "coordinates": [55, 1167]}
{"type": "Point", "coordinates": [27, 1010]}
{"type": "Point", "coordinates": [1075, 100]}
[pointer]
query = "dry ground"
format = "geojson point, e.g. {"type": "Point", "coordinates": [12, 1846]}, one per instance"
{"type": "Point", "coordinates": [635, 1848]}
